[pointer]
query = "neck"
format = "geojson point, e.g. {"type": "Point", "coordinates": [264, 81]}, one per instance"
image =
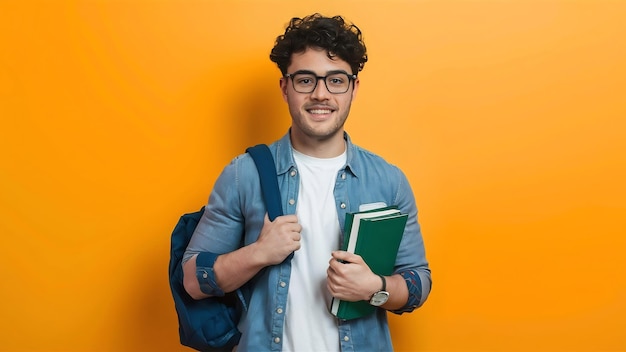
{"type": "Point", "coordinates": [320, 148]}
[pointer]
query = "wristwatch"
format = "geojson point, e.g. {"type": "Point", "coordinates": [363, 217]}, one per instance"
{"type": "Point", "coordinates": [379, 298]}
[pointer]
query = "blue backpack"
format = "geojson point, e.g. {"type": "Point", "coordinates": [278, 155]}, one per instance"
{"type": "Point", "coordinates": [210, 324]}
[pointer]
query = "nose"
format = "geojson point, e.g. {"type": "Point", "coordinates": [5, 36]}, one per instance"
{"type": "Point", "coordinates": [320, 92]}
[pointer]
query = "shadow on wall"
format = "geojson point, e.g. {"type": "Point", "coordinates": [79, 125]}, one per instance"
{"type": "Point", "coordinates": [260, 114]}
{"type": "Point", "coordinates": [147, 318]}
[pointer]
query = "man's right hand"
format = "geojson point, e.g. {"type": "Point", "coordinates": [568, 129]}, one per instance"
{"type": "Point", "coordinates": [278, 238]}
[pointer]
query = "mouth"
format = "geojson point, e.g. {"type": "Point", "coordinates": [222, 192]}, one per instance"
{"type": "Point", "coordinates": [320, 111]}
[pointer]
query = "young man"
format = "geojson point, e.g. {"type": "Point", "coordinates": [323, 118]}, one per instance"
{"type": "Point", "coordinates": [322, 176]}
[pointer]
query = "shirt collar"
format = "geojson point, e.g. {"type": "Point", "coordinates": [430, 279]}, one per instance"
{"type": "Point", "coordinates": [285, 161]}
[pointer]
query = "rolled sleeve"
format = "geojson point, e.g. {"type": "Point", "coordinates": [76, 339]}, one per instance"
{"type": "Point", "coordinates": [206, 275]}
{"type": "Point", "coordinates": [414, 284]}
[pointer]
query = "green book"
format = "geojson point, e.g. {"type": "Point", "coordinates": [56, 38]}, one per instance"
{"type": "Point", "coordinates": [375, 235]}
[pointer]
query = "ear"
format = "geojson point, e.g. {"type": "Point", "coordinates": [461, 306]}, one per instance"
{"type": "Point", "coordinates": [283, 87]}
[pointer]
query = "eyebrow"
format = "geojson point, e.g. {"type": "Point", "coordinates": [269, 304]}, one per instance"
{"type": "Point", "coordinates": [314, 74]}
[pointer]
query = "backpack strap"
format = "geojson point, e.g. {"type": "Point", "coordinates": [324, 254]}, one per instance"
{"type": "Point", "coordinates": [269, 182]}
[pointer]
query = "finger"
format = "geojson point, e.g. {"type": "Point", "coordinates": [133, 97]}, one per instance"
{"type": "Point", "coordinates": [336, 267]}
{"type": "Point", "coordinates": [330, 278]}
{"type": "Point", "coordinates": [287, 218]}
{"type": "Point", "coordinates": [293, 227]}
{"type": "Point", "coordinates": [346, 256]}
{"type": "Point", "coordinates": [330, 289]}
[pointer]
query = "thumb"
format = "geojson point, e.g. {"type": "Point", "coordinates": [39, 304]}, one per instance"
{"type": "Point", "coordinates": [266, 220]}
{"type": "Point", "coordinates": [345, 256]}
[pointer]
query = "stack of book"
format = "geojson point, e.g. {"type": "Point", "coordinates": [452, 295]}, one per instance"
{"type": "Point", "coordinates": [375, 235]}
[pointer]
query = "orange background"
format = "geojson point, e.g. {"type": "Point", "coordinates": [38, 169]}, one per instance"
{"type": "Point", "coordinates": [508, 117]}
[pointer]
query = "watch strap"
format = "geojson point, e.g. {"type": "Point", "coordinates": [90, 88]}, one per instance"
{"type": "Point", "coordinates": [384, 282]}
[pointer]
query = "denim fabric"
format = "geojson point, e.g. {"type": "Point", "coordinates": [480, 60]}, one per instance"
{"type": "Point", "coordinates": [234, 217]}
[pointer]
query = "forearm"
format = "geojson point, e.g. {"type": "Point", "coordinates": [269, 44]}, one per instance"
{"type": "Point", "coordinates": [229, 272]}
{"type": "Point", "coordinates": [234, 269]}
{"type": "Point", "coordinates": [398, 292]}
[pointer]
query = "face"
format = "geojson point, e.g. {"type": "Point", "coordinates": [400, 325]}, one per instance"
{"type": "Point", "coordinates": [318, 116]}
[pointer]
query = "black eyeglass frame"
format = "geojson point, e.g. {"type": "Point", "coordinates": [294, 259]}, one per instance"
{"type": "Point", "coordinates": [351, 78]}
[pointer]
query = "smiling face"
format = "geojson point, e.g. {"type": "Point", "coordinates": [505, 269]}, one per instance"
{"type": "Point", "coordinates": [318, 117]}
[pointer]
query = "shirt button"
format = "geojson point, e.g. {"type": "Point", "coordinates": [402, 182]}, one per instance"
{"type": "Point", "coordinates": [279, 311]}
{"type": "Point", "coordinates": [346, 338]}
{"type": "Point", "coordinates": [292, 202]}
{"type": "Point", "coordinates": [283, 284]}
{"type": "Point", "coordinates": [277, 339]}
{"type": "Point", "coordinates": [292, 173]}
{"type": "Point", "coordinates": [343, 175]}
{"type": "Point", "coordinates": [205, 275]}
{"type": "Point", "coordinates": [343, 205]}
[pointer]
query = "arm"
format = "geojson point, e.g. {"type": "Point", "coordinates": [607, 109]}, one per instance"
{"type": "Point", "coordinates": [410, 286]}
{"type": "Point", "coordinates": [231, 270]}
{"type": "Point", "coordinates": [411, 261]}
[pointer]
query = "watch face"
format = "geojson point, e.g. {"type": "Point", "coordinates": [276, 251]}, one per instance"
{"type": "Point", "coordinates": [379, 298]}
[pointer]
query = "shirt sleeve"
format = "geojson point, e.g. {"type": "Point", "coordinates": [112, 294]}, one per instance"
{"type": "Point", "coordinates": [411, 262]}
{"type": "Point", "coordinates": [206, 275]}
{"type": "Point", "coordinates": [221, 227]}
{"type": "Point", "coordinates": [414, 284]}
{"type": "Point", "coordinates": [219, 230]}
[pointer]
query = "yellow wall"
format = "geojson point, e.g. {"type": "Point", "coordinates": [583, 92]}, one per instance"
{"type": "Point", "coordinates": [509, 118]}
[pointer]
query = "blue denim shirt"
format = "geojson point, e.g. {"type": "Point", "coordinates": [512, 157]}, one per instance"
{"type": "Point", "coordinates": [234, 216]}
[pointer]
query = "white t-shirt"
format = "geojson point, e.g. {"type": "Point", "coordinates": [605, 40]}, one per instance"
{"type": "Point", "coordinates": [309, 326]}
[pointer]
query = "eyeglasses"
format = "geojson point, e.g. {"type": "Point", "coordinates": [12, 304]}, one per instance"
{"type": "Point", "coordinates": [306, 81]}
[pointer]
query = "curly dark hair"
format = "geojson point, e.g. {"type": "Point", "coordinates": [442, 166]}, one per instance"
{"type": "Point", "coordinates": [336, 36]}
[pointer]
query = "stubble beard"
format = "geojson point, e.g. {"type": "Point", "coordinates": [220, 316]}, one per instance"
{"type": "Point", "coordinates": [324, 133]}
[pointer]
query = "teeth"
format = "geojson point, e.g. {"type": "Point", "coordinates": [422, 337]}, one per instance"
{"type": "Point", "coordinates": [319, 111]}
